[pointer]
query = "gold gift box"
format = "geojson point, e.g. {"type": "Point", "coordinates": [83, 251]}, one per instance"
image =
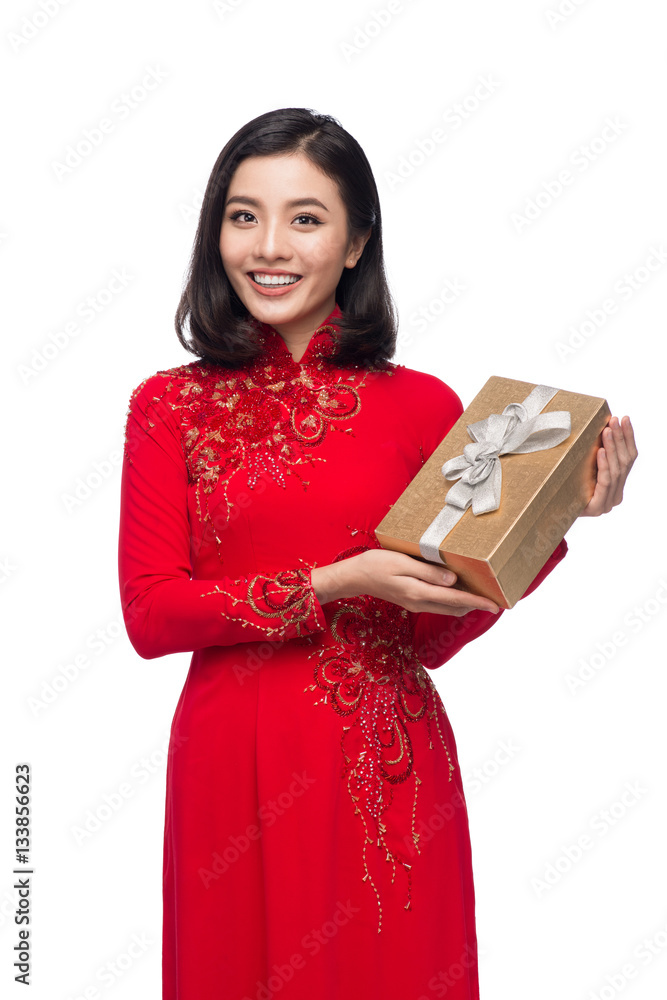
{"type": "Point", "coordinates": [498, 554]}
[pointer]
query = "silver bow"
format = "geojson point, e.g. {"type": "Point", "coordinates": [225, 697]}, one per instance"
{"type": "Point", "coordinates": [519, 429]}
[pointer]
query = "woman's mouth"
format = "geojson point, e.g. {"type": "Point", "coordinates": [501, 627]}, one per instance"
{"type": "Point", "coordinates": [273, 284]}
{"type": "Point", "coordinates": [274, 279]}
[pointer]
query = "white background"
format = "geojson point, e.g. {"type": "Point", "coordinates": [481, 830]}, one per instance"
{"type": "Point", "coordinates": [131, 206]}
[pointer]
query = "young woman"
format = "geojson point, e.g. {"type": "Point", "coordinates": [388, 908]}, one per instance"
{"type": "Point", "coordinates": [316, 837]}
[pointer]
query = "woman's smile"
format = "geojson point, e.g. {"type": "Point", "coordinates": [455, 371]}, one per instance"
{"type": "Point", "coordinates": [273, 282]}
{"type": "Point", "coordinates": [285, 241]}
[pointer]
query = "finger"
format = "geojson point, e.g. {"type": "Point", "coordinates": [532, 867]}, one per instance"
{"type": "Point", "coordinates": [433, 608]}
{"type": "Point", "coordinates": [609, 443]}
{"type": "Point", "coordinates": [622, 455]}
{"type": "Point", "coordinates": [599, 499]}
{"type": "Point", "coordinates": [626, 445]}
{"type": "Point", "coordinates": [596, 504]}
{"type": "Point", "coordinates": [442, 577]}
{"type": "Point", "coordinates": [626, 450]}
{"type": "Point", "coordinates": [619, 464]}
{"type": "Point", "coordinates": [427, 571]}
{"type": "Point", "coordinates": [455, 611]}
{"type": "Point", "coordinates": [616, 473]}
{"type": "Point", "coordinates": [446, 596]}
{"type": "Point", "coordinates": [629, 435]}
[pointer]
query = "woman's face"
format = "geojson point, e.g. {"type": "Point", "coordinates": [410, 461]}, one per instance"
{"type": "Point", "coordinates": [285, 217]}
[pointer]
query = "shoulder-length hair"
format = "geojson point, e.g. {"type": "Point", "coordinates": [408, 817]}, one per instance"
{"type": "Point", "coordinates": [221, 328]}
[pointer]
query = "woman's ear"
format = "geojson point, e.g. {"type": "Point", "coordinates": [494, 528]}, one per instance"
{"type": "Point", "coordinates": [357, 245]}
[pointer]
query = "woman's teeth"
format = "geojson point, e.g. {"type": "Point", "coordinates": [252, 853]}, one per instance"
{"type": "Point", "coordinates": [275, 279]}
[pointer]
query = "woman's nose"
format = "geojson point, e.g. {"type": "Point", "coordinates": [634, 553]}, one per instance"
{"type": "Point", "coordinates": [272, 242]}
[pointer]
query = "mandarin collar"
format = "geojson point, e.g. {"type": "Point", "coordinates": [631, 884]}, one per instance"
{"type": "Point", "coordinates": [322, 341]}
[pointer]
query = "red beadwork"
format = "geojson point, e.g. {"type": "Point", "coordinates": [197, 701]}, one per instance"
{"type": "Point", "coordinates": [264, 419]}
{"type": "Point", "coordinates": [288, 596]}
{"type": "Point", "coordinates": [371, 674]}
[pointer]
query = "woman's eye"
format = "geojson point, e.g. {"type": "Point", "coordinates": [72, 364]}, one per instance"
{"type": "Point", "coordinates": [311, 218]}
{"type": "Point", "coordinates": [242, 215]}
{"type": "Point", "coordinates": [236, 215]}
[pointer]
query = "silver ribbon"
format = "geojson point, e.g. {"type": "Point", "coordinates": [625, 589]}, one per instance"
{"type": "Point", "coordinates": [519, 429]}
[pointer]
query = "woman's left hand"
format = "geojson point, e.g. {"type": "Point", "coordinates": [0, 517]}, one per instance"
{"type": "Point", "coordinates": [615, 459]}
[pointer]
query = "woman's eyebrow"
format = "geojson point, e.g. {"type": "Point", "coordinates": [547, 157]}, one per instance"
{"type": "Point", "coordinates": [294, 203]}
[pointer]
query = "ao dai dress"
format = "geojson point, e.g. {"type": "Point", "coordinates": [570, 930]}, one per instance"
{"type": "Point", "coordinates": [316, 842]}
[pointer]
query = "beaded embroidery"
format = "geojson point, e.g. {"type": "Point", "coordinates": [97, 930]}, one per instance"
{"type": "Point", "coordinates": [288, 596]}
{"type": "Point", "coordinates": [264, 419]}
{"type": "Point", "coordinates": [372, 675]}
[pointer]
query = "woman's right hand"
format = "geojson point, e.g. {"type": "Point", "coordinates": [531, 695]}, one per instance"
{"type": "Point", "coordinates": [394, 576]}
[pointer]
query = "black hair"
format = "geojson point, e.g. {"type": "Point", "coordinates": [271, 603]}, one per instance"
{"type": "Point", "coordinates": [221, 329]}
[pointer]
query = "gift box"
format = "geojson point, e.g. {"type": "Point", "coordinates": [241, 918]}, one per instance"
{"type": "Point", "coordinates": [502, 489]}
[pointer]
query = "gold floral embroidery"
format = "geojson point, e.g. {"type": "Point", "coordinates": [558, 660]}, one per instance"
{"type": "Point", "coordinates": [371, 674]}
{"type": "Point", "coordinates": [264, 419]}
{"type": "Point", "coordinates": [288, 596]}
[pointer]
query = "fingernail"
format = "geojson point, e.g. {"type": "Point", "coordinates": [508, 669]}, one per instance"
{"type": "Point", "coordinates": [448, 577]}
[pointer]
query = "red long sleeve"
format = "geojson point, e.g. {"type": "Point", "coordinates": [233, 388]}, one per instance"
{"type": "Point", "coordinates": [164, 608]}
{"type": "Point", "coordinates": [438, 637]}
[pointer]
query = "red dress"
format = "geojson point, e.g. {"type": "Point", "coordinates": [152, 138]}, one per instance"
{"type": "Point", "coordinates": [316, 839]}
